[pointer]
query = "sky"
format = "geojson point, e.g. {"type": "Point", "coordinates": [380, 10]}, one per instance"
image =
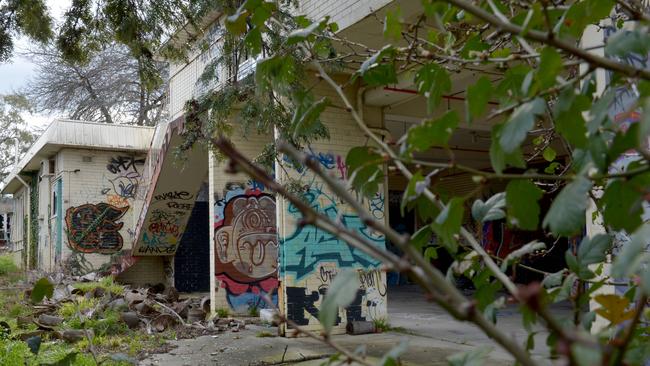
{"type": "Point", "coordinates": [16, 73]}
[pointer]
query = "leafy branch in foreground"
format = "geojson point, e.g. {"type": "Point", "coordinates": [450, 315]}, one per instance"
{"type": "Point", "coordinates": [556, 148]}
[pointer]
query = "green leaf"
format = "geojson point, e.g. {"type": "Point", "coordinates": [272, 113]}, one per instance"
{"type": "Point", "coordinates": [625, 42]}
{"type": "Point", "coordinates": [510, 86]}
{"type": "Point", "coordinates": [550, 65]}
{"type": "Point", "coordinates": [42, 288]}
{"type": "Point", "coordinates": [522, 197]}
{"type": "Point", "coordinates": [521, 121]}
{"type": "Point", "coordinates": [594, 250]}
{"type": "Point", "coordinates": [585, 355]}
{"type": "Point", "coordinates": [305, 122]}
{"type": "Point", "coordinates": [583, 13]}
{"type": "Point", "coordinates": [340, 294]}
{"type": "Point", "coordinates": [393, 25]}
{"type": "Point", "coordinates": [300, 35]}
{"type": "Point", "coordinates": [569, 121]}
{"type": "Point", "coordinates": [375, 71]}
{"type": "Point", "coordinates": [549, 154]}
{"type": "Point", "coordinates": [515, 255]}
{"type": "Point", "coordinates": [492, 209]}
{"type": "Point", "coordinates": [253, 41]}
{"type": "Point", "coordinates": [567, 213]}
{"type": "Point", "coordinates": [365, 169]}
{"type": "Point", "coordinates": [499, 158]}
{"type": "Point", "coordinates": [629, 258]}
{"type": "Point", "coordinates": [236, 23]}
{"type": "Point", "coordinates": [472, 45]}
{"type": "Point", "coordinates": [433, 82]}
{"type": "Point", "coordinates": [553, 279]}
{"type": "Point", "coordinates": [413, 190]}
{"type": "Point", "coordinates": [478, 96]}
{"type": "Point", "coordinates": [473, 357]}
{"type": "Point", "coordinates": [273, 73]}
{"type": "Point", "coordinates": [448, 222]}
{"type": "Point", "coordinates": [431, 132]}
{"type": "Point", "coordinates": [623, 205]}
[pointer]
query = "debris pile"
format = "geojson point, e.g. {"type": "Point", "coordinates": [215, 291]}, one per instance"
{"type": "Point", "coordinates": [88, 310]}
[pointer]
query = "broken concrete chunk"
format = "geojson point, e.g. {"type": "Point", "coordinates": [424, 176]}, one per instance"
{"type": "Point", "coordinates": [49, 320]}
{"type": "Point", "coordinates": [163, 321]}
{"type": "Point", "coordinates": [130, 318]}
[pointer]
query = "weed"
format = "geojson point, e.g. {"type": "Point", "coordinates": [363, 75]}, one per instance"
{"type": "Point", "coordinates": [381, 325]}
{"type": "Point", "coordinates": [253, 311]}
{"type": "Point", "coordinates": [7, 265]}
{"type": "Point", "coordinates": [79, 306]}
{"type": "Point", "coordinates": [106, 283]}
{"type": "Point", "coordinates": [223, 312]}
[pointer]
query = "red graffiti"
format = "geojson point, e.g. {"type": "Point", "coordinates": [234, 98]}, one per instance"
{"type": "Point", "coordinates": [164, 228]}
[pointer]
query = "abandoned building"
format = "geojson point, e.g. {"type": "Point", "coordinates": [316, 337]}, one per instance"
{"type": "Point", "coordinates": [94, 195]}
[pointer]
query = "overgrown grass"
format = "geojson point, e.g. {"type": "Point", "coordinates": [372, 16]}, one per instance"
{"type": "Point", "coordinates": [106, 283]}
{"type": "Point", "coordinates": [111, 337]}
{"type": "Point", "coordinates": [381, 325]}
{"type": "Point", "coordinates": [253, 311]}
{"type": "Point", "coordinates": [223, 312]}
{"type": "Point", "coordinates": [7, 265]}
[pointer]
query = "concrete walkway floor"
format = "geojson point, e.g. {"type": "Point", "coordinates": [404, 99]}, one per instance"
{"type": "Point", "coordinates": [432, 336]}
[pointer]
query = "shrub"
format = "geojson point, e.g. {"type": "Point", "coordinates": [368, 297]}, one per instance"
{"type": "Point", "coordinates": [7, 265]}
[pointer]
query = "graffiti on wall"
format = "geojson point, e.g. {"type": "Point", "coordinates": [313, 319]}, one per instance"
{"type": "Point", "coordinates": [122, 180]}
{"type": "Point", "coordinates": [164, 230]}
{"type": "Point", "coordinates": [369, 303]}
{"type": "Point", "coordinates": [124, 164]}
{"type": "Point", "coordinates": [94, 228]}
{"type": "Point", "coordinates": [309, 245]}
{"type": "Point", "coordinates": [311, 257]}
{"type": "Point", "coordinates": [246, 245]}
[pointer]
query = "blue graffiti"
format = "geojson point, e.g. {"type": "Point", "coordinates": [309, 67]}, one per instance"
{"type": "Point", "coordinates": [327, 160]}
{"type": "Point", "coordinates": [250, 300]}
{"type": "Point", "coordinates": [308, 245]}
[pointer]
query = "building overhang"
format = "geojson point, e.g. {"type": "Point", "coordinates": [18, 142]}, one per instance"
{"type": "Point", "coordinates": [62, 133]}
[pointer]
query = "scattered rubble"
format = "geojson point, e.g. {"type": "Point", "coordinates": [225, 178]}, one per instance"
{"type": "Point", "coordinates": [75, 310]}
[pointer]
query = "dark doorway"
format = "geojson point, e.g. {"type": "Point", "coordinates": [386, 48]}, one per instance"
{"type": "Point", "coordinates": [192, 261]}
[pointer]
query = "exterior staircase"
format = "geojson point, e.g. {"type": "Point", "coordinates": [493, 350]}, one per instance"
{"type": "Point", "coordinates": [168, 191]}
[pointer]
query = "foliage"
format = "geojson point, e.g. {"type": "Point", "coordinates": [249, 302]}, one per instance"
{"type": "Point", "coordinates": [42, 288]}
{"type": "Point", "coordinates": [223, 312]}
{"type": "Point", "coordinates": [7, 265]}
{"type": "Point", "coordinates": [556, 148]}
{"type": "Point", "coordinates": [106, 87]}
{"type": "Point", "coordinates": [107, 284]}
{"type": "Point", "coordinates": [15, 135]}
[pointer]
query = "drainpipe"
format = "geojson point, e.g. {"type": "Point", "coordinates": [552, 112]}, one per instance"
{"type": "Point", "coordinates": [29, 218]}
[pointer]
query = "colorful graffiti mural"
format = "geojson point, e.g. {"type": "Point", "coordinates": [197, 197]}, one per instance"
{"type": "Point", "coordinates": [369, 303]}
{"type": "Point", "coordinates": [246, 245]}
{"type": "Point", "coordinates": [311, 258]}
{"type": "Point", "coordinates": [164, 228]}
{"type": "Point", "coordinates": [94, 228]}
{"type": "Point", "coordinates": [308, 245]}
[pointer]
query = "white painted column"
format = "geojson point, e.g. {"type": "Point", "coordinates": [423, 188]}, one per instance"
{"type": "Point", "coordinates": [211, 203]}
{"type": "Point", "coordinates": [593, 37]}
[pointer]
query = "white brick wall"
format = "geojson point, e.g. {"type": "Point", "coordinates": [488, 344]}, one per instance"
{"type": "Point", "coordinates": [343, 12]}
{"type": "Point", "coordinates": [94, 183]}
